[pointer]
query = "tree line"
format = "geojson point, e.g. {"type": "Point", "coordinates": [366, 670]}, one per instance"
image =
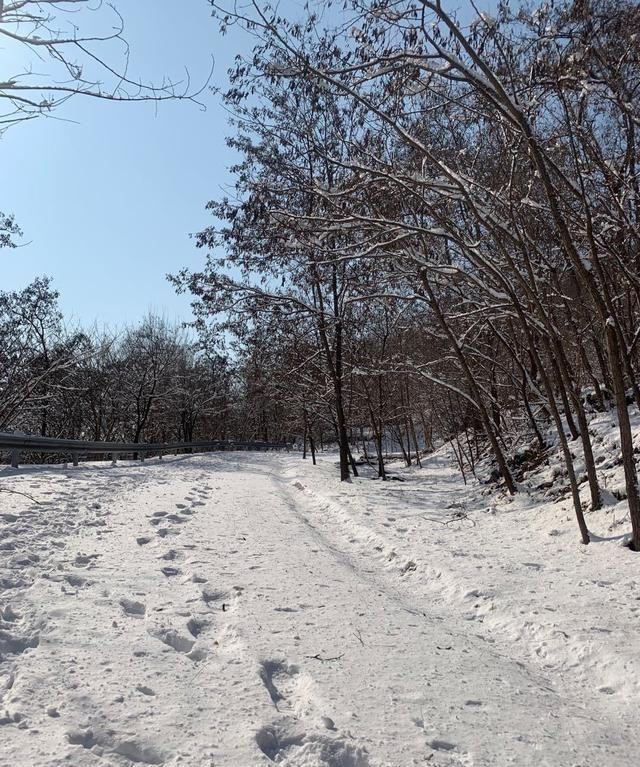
{"type": "Point", "coordinates": [145, 383]}
{"type": "Point", "coordinates": [435, 224]}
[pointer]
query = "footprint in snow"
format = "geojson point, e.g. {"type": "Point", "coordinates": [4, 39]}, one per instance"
{"type": "Point", "coordinates": [437, 744]}
{"type": "Point", "coordinates": [408, 567]}
{"type": "Point", "coordinates": [132, 607]}
{"type": "Point", "coordinates": [77, 581]}
{"type": "Point", "coordinates": [171, 555]}
{"type": "Point", "coordinates": [179, 643]}
{"type": "Point", "coordinates": [8, 614]}
{"type": "Point", "coordinates": [82, 560]}
{"type": "Point", "coordinates": [210, 596]}
{"type": "Point", "coordinates": [278, 677]}
{"type": "Point", "coordinates": [287, 741]}
{"type": "Point", "coordinates": [195, 626]}
{"type": "Point", "coordinates": [132, 749]}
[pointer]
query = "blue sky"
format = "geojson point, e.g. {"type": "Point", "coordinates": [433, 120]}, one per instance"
{"type": "Point", "coordinates": [107, 197]}
{"type": "Point", "coordinates": [107, 202]}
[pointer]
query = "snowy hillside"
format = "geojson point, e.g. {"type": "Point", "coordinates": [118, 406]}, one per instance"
{"type": "Point", "coordinates": [249, 609]}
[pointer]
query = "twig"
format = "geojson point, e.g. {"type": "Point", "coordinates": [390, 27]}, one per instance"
{"type": "Point", "coordinates": [17, 492]}
{"type": "Point", "coordinates": [459, 516]}
{"type": "Point", "coordinates": [317, 656]}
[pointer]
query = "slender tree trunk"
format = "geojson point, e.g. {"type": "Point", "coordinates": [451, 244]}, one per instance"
{"type": "Point", "coordinates": [589, 371]}
{"type": "Point", "coordinates": [473, 387]}
{"type": "Point", "coordinates": [426, 432]}
{"type": "Point", "coordinates": [312, 445]}
{"type": "Point", "coordinates": [352, 463]}
{"type": "Point", "coordinates": [459, 459]}
{"type": "Point", "coordinates": [626, 439]}
{"type": "Point", "coordinates": [590, 464]}
{"type": "Point", "coordinates": [563, 395]}
{"type": "Point", "coordinates": [604, 368]}
{"type": "Point", "coordinates": [364, 446]}
{"type": "Point", "coordinates": [415, 441]}
{"type": "Point", "coordinates": [304, 434]}
{"type": "Point", "coordinates": [343, 442]}
{"type": "Point", "coordinates": [382, 473]}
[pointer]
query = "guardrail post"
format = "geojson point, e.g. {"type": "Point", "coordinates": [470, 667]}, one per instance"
{"type": "Point", "coordinates": [141, 457]}
{"type": "Point", "coordinates": [160, 455]}
{"type": "Point", "coordinates": [15, 459]}
{"type": "Point", "coordinates": [114, 458]}
{"type": "Point", "coordinates": [75, 459]}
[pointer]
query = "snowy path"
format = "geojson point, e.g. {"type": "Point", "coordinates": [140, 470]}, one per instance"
{"type": "Point", "coordinates": [215, 610]}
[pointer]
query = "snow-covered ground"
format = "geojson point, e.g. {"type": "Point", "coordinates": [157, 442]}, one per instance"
{"type": "Point", "coordinates": [249, 609]}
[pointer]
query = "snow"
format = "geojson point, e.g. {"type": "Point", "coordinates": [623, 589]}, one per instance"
{"type": "Point", "coordinates": [249, 609]}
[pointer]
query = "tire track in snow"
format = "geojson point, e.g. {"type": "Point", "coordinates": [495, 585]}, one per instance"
{"type": "Point", "coordinates": [598, 735]}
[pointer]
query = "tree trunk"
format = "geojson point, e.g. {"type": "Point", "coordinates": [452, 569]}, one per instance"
{"type": "Point", "coordinates": [473, 387]}
{"type": "Point", "coordinates": [626, 439]}
{"type": "Point", "coordinates": [352, 463]}
{"type": "Point", "coordinates": [415, 441]}
{"type": "Point", "coordinates": [304, 435]}
{"type": "Point", "coordinates": [312, 445]}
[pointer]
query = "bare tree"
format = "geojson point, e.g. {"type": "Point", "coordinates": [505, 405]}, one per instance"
{"type": "Point", "coordinates": [82, 49]}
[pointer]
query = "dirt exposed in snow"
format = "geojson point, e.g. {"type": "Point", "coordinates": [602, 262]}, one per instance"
{"type": "Point", "coordinates": [248, 609]}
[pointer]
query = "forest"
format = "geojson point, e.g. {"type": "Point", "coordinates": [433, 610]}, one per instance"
{"type": "Point", "coordinates": [433, 235]}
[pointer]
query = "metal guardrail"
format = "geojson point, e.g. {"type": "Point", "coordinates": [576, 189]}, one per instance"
{"type": "Point", "coordinates": [22, 443]}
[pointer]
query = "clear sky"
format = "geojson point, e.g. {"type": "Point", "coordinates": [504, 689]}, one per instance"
{"type": "Point", "coordinates": [107, 202]}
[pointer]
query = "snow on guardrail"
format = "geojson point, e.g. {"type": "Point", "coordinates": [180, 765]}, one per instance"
{"type": "Point", "coordinates": [16, 444]}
